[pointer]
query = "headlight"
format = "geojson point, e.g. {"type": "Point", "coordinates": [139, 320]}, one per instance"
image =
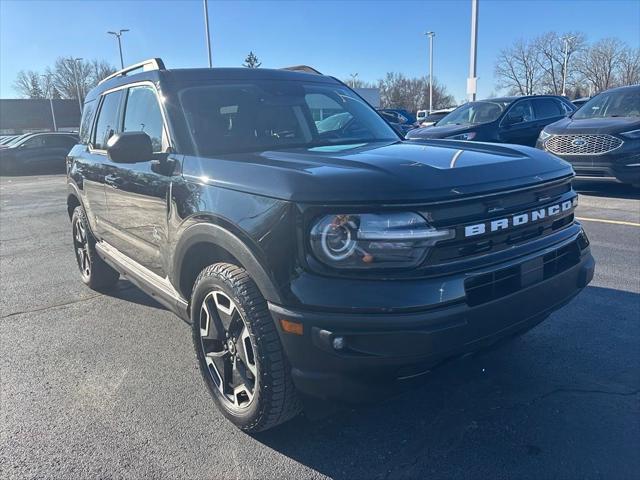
{"type": "Point", "coordinates": [631, 134]}
{"type": "Point", "coordinates": [463, 136]}
{"type": "Point", "coordinates": [374, 240]}
{"type": "Point", "coordinates": [543, 136]}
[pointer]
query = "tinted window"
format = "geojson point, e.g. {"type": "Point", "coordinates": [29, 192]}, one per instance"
{"type": "Point", "coordinates": [260, 115]}
{"type": "Point", "coordinates": [107, 123]}
{"type": "Point", "coordinates": [142, 114]}
{"type": "Point", "coordinates": [522, 109]}
{"type": "Point", "coordinates": [59, 141]}
{"type": "Point", "coordinates": [620, 103]}
{"type": "Point", "coordinates": [475, 112]}
{"type": "Point", "coordinates": [34, 142]}
{"type": "Point", "coordinates": [87, 120]}
{"type": "Point", "coordinates": [547, 108]}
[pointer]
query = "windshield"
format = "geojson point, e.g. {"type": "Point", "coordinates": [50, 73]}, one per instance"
{"type": "Point", "coordinates": [260, 115]}
{"type": "Point", "coordinates": [475, 112]}
{"type": "Point", "coordinates": [625, 103]}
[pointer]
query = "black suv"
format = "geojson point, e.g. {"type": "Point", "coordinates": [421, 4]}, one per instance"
{"type": "Point", "coordinates": [602, 139]}
{"type": "Point", "coordinates": [337, 263]}
{"type": "Point", "coordinates": [516, 120]}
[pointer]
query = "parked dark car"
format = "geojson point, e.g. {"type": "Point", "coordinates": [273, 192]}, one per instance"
{"type": "Point", "coordinates": [336, 264]}
{"type": "Point", "coordinates": [6, 139]}
{"type": "Point", "coordinates": [401, 120]}
{"type": "Point", "coordinates": [36, 152]}
{"type": "Point", "coordinates": [578, 102]}
{"type": "Point", "coordinates": [432, 118]}
{"type": "Point", "coordinates": [516, 120]}
{"type": "Point", "coordinates": [601, 139]}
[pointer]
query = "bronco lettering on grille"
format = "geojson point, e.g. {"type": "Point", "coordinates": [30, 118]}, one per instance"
{"type": "Point", "coordinates": [519, 219]}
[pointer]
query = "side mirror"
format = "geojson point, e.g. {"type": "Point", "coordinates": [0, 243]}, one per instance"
{"type": "Point", "coordinates": [129, 147]}
{"type": "Point", "coordinates": [513, 119]}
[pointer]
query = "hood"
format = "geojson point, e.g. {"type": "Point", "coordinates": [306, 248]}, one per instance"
{"type": "Point", "coordinates": [379, 173]}
{"type": "Point", "coordinates": [437, 131]}
{"type": "Point", "coordinates": [613, 125]}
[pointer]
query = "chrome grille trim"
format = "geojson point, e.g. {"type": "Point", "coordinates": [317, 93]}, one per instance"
{"type": "Point", "coordinates": [594, 144]}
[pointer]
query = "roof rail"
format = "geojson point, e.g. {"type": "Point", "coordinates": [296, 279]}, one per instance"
{"type": "Point", "coordinates": [146, 65]}
{"type": "Point", "coordinates": [302, 68]}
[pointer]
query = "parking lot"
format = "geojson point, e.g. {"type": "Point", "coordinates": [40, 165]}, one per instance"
{"type": "Point", "coordinates": [106, 385]}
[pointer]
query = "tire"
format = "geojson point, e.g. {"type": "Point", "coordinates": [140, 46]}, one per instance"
{"type": "Point", "coordinates": [93, 270]}
{"type": "Point", "coordinates": [236, 342]}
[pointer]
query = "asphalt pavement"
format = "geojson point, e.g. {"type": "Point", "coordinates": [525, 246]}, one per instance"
{"type": "Point", "coordinates": [106, 385]}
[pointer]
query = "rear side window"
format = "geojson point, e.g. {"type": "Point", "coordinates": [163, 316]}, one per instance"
{"type": "Point", "coordinates": [107, 124]}
{"type": "Point", "coordinates": [142, 114]}
{"type": "Point", "coordinates": [547, 108]}
{"type": "Point", "coordinates": [86, 122]}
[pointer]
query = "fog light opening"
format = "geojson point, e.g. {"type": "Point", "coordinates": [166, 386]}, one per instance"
{"type": "Point", "coordinates": [339, 343]}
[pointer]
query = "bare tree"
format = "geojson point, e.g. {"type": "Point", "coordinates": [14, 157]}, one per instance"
{"type": "Point", "coordinates": [412, 94]}
{"type": "Point", "coordinates": [72, 78]}
{"type": "Point", "coordinates": [518, 68]}
{"type": "Point", "coordinates": [28, 84]}
{"type": "Point", "coordinates": [599, 63]}
{"type": "Point", "coordinates": [551, 57]}
{"type": "Point", "coordinates": [629, 68]}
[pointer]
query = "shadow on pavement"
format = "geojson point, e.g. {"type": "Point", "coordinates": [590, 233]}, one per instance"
{"type": "Point", "coordinates": [536, 407]}
{"type": "Point", "coordinates": [606, 188]}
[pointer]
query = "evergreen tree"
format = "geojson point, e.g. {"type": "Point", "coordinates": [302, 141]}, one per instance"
{"type": "Point", "coordinates": [251, 61]}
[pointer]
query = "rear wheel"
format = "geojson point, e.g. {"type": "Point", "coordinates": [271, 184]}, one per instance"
{"type": "Point", "coordinates": [239, 351]}
{"type": "Point", "coordinates": [93, 270]}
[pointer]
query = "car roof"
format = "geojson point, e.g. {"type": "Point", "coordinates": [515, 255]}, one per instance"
{"type": "Point", "coordinates": [203, 74]}
{"type": "Point", "coordinates": [626, 88]}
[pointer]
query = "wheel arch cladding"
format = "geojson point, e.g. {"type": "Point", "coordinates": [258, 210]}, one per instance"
{"type": "Point", "coordinates": [202, 245]}
{"type": "Point", "coordinates": [72, 203]}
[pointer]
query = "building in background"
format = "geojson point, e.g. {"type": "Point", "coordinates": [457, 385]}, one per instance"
{"type": "Point", "coordinates": [34, 115]}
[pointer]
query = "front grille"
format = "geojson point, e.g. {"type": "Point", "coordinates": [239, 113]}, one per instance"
{"type": "Point", "coordinates": [582, 144]}
{"type": "Point", "coordinates": [500, 283]}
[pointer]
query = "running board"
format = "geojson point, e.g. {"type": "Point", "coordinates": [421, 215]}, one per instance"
{"type": "Point", "coordinates": [159, 288]}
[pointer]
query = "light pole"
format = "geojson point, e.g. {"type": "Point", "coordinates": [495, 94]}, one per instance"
{"type": "Point", "coordinates": [49, 94]}
{"type": "Point", "coordinates": [430, 35]}
{"type": "Point", "coordinates": [472, 81]}
{"type": "Point", "coordinates": [206, 31]}
{"type": "Point", "coordinates": [567, 39]}
{"type": "Point", "coordinates": [353, 79]}
{"type": "Point", "coordinates": [118, 34]}
{"type": "Point", "coordinates": [75, 76]}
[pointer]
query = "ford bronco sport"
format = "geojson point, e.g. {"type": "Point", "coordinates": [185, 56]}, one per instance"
{"type": "Point", "coordinates": [331, 262]}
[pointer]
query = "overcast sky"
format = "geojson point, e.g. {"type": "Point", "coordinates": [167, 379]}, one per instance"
{"type": "Point", "coordinates": [338, 38]}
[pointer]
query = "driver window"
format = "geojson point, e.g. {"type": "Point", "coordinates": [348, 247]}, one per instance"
{"type": "Point", "coordinates": [522, 109]}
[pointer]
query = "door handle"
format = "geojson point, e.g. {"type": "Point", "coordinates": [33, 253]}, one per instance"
{"type": "Point", "coordinates": [111, 180]}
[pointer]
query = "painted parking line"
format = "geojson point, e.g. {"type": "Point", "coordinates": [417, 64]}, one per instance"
{"type": "Point", "coordinates": [614, 222]}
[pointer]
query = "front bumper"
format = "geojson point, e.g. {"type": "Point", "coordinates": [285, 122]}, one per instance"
{"type": "Point", "coordinates": [382, 349]}
{"type": "Point", "coordinates": [622, 163]}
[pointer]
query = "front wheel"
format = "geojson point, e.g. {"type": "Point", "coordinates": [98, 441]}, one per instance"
{"type": "Point", "coordinates": [93, 270]}
{"type": "Point", "coordinates": [239, 351]}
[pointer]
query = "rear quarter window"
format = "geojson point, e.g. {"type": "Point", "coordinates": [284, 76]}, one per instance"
{"type": "Point", "coordinates": [87, 120]}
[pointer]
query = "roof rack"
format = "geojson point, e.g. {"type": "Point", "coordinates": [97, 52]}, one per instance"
{"type": "Point", "coordinates": [146, 65]}
{"type": "Point", "coordinates": [302, 68]}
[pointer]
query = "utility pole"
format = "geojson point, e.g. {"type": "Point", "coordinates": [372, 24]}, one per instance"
{"type": "Point", "coordinates": [75, 76]}
{"type": "Point", "coordinates": [430, 35]}
{"type": "Point", "coordinates": [566, 39]}
{"type": "Point", "coordinates": [206, 30]}
{"type": "Point", "coordinates": [472, 81]}
{"type": "Point", "coordinates": [50, 95]}
{"type": "Point", "coordinates": [118, 34]}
